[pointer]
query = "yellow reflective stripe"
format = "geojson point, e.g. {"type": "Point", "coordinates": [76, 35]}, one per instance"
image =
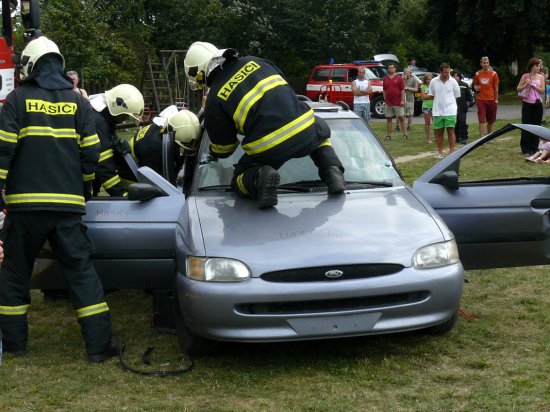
{"type": "Point", "coordinates": [227, 148]}
{"type": "Point", "coordinates": [240, 184]}
{"type": "Point", "coordinates": [111, 182]}
{"type": "Point", "coordinates": [14, 310]}
{"type": "Point", "coordinates": [92, 310]}
{"type": "Point", "coordinates": [8, 136]}
{"type": "Point", "coordinates": [325, 142]}
{"type": "Point", "coordinates": [105, 155]}
{"type": "Point", "coordinates": [45, 198]}
{"type": "Point", "coordinates": [3, 174]}
{"type": "Point", "coordinates": [48, 131]}
{"type": "Point", "coordinates": [89, 177]}
{"type": "Point", "coordinates": [89, 141]}
{"type": "Point", "coordinates": [280, 135]}
{"type": "Point", "coordinates": [252, 97]}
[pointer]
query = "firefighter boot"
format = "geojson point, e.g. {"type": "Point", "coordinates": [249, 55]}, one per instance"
{"type": "Point", "coordinates": [267, 181]}
{"type": "Point", "coordinates": [334, 179]}
{"type": "Point", "coordinates": [111, 351]}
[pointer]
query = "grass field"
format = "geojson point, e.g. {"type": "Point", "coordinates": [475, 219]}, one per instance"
{"type": "Point", "coordinates": [498, 359]}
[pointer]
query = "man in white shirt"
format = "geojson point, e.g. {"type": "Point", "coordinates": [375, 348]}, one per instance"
{"type": "Point", "coordinates": [361, 88]}
{"type": "Point", "coordinates": [444, 90]}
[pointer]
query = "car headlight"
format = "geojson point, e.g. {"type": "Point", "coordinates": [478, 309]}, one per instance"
{"type": "Point", "coordinates": [216, 269]}
{"type": "Point", "coordinates": [436, 255]}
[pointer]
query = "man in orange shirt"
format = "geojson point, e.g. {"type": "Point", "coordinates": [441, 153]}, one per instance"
{"type": "Point", "coordinates": [486, 86]}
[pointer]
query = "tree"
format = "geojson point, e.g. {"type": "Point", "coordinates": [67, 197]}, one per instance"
{"type": "Point", "coordinates": [105, 41]}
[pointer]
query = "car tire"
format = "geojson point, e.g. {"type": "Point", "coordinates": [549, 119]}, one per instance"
{"type": "Point", "coordinates": [378, 107]}
{"type": "Point", "coordinates": [190, 343]}
{"type": "Point", "coordinates": [444, 327]}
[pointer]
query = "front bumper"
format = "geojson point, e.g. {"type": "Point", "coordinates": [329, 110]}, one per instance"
{"type": "Point", "coordinates": [260, 311]}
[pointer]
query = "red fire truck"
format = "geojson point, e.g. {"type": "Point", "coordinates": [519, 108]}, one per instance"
{"type": "Point", "coordinates": [30, 16]}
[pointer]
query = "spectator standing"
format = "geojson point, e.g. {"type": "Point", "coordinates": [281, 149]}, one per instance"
{"type": "Point", "coordinates": [412, 65]}
{"type": "Point", "coordinates": [532, 86]}
{"type": "Point", "coordinates": [486, 85]}
{"type": "Point", "coordinates": [74, 78]}
{"type": "Point", "coordinates": [463, 102]}
{"type": "Point", "coordinates": [427, 105]}
{"type": "Point", "coordinates": [393, 89]}
{"type": "Point", "coordinates": [444, 90]}
{"type": "Point", "coordinates": [411, 87]}
{"type": "Point", "coordinates": [361, 89]}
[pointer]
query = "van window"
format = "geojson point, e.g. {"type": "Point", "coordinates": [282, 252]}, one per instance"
{"type": "Point", "coordinates": [352, 75]}
{"type": "Point", "coordinates": [339, 75]}
{"type": "Point", "coordinates": [321, 75]}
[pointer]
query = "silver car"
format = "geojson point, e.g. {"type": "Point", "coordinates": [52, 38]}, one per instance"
{"type": "Point", "coordinates": [376, 259]}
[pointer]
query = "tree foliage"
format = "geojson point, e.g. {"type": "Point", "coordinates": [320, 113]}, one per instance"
{"type": "Point", "coordinates": [108, 41]}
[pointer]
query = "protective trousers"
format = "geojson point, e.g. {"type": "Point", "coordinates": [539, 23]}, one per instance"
{"type": "Point", "coordinates": [319, 149]}
{"type": "Point", "coordinates": [23, 234]}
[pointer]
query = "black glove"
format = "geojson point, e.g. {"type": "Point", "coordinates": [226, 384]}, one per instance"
{"type": "Point", "coordinates": [121, 146]}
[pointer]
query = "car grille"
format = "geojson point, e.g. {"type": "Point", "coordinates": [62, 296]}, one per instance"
{"type": "Point", "coordinates": [317, 274]}
{"type": "Point", "coordinates": [332, 305]}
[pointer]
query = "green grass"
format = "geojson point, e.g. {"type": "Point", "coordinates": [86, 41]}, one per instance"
{"type": "Point", "coordinates": [498, 362]}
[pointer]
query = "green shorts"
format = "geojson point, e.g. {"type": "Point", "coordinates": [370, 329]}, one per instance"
{"type": "Point", "coordinates": [442, 122]}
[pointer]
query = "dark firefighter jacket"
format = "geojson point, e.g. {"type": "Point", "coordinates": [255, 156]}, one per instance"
{"type": "Point", "coordinates": [146, 146]}
{"type": "Point", "coordinates": [48, 144]}
{"type": "Point", "coordinates": [107, 170]}
{"type": "Point", "coordinates": [249, 96]}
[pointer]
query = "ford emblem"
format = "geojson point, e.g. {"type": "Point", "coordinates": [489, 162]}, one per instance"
{"type": "Point", "coordinates": [332, 274]}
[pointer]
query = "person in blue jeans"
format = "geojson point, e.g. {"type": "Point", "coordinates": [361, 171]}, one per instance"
{"type": "Point", "coordinates": [361, 89]}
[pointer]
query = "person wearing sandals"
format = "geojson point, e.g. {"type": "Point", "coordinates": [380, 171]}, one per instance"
{"type": "Point", "coordinates": [393, 89]}
{"type": "Point", "coordinates": [444, 91]}
{"type": "Point", "coordinates": [427, 106]}
{"type": "Point", "coordinates": [542, 155]}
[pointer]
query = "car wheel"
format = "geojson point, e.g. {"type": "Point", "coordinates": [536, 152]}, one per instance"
{"type": "Point", "coordinates": [444, 327]}
{"type": "Point", "coordinates": [190, 343]}
{"type": "Point", "coordinates": [378, 107]}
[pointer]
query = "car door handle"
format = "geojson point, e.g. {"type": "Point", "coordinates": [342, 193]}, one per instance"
{"type": "Point", "coordinates": [540, 203]}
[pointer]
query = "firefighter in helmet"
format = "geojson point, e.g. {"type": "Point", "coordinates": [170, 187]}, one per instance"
{"type": "Point", "coordinates": [113, 107]}
{"type": "Point", "coordinates": [48, 152]}
{"type": "Point", "coordinates": [249, 96]}
{"type": "Point", "coordinates": [146, 144]}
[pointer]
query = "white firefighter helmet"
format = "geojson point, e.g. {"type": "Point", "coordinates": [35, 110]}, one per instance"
{"type": "Point", "coordinates": [186, 127]}
{"type": "Point", "coordinates": [196, 61]}
{"type": "Point", "coordinates": [125, 99]}
{"type": "Point", "coordinates": [35, 50]}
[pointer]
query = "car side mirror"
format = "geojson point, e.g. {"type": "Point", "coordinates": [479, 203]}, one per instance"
{"type": "Point", "coordinates": [448, 179]}
{"type": "Point", "coordinates": [144, 191]}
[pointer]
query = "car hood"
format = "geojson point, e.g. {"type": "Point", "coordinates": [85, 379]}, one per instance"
{"type": "Point", "coordinates": [384, 225]}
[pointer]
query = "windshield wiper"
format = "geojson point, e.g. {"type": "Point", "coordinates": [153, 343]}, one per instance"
{"type": "Point", "coordinates": [302, 185]}
{"type": "Point", "coordinates": [381, 183]}
{"type": "Point", "coordinates": [215, 187]}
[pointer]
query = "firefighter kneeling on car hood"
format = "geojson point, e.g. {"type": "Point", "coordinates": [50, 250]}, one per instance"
{"type": "Point", "coordinates": [249, 96]}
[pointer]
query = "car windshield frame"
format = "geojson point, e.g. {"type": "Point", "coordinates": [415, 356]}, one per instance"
{"type": "Point", "coordinates": [362, 155]}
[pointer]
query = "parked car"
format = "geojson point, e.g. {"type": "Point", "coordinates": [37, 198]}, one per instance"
{"type": "Point", "coordinates": [332, 82]}
{"type": "Point", "coordinates": [376, 259]}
